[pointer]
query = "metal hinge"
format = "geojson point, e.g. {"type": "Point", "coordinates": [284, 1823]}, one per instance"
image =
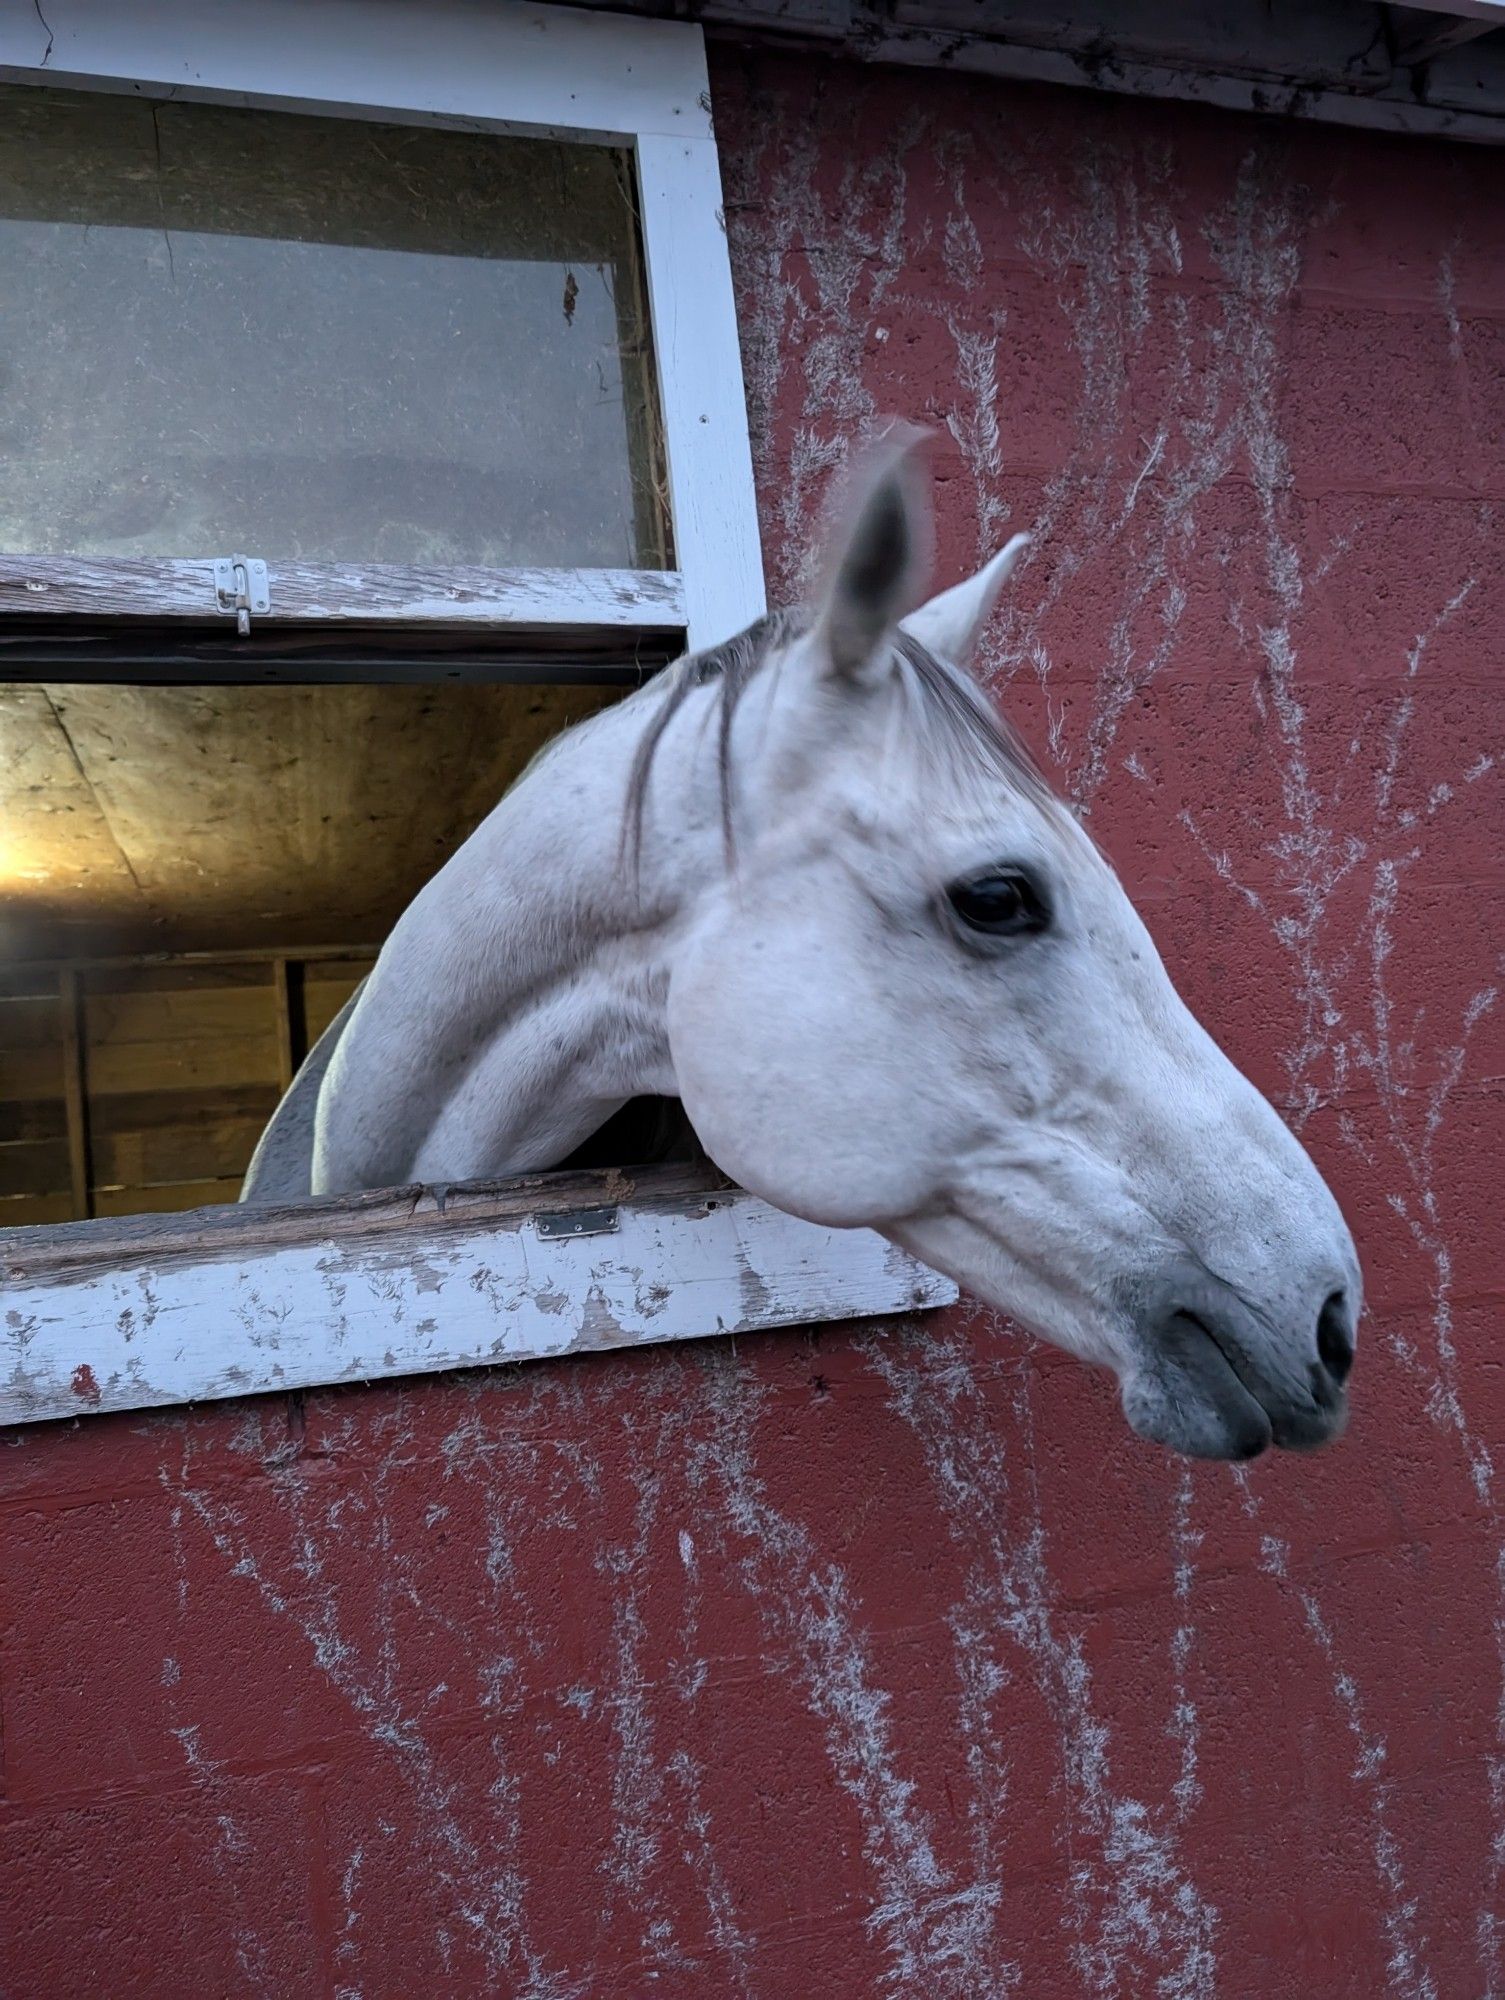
{"type": "Point", "coordinates": [578, 1222]}
{"type": "Point", "coordinates": [241, 587]}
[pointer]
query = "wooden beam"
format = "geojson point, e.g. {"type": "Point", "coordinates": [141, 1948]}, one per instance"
{"type": "Point", "coordinates": [1329, 65]}
{"type": "Point", "coordinates": [1447, 109]}
{"type": "Point", "coordinates": [1489, 13]}
{"type": "Point", "coordinates": [1338, 44]}
{"type": "Point", "coordinates": [229, 1301]}
{"type": "Point", "coordinates": [75, 1093]}
{"type": "Point", "coordinates": [1421, 35]}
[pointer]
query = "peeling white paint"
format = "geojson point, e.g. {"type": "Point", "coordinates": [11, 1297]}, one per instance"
{"type": "Point", "coordinates": [234, 1313]}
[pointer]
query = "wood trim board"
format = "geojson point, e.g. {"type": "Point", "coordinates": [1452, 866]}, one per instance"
{"type": "Point", "coordinates": [153, 1310]}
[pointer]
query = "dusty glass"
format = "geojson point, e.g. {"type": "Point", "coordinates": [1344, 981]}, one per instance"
{"type": "Point", "coordinates": [228, 330]}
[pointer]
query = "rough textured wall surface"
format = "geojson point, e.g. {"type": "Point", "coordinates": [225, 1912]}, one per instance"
{"type": "Point", "coordinates": [885, 1662]}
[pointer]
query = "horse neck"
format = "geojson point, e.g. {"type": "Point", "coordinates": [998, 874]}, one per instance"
{"type": "Point", "coordinates": [563, 869]}
{"type": "Point", "coordinates": [525, 984]}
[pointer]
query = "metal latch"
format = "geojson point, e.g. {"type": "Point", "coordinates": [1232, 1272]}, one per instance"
{"type": "Point", "coordinates": [241, 587]}
{"type": "Point", "coordinates": [578, 1222]}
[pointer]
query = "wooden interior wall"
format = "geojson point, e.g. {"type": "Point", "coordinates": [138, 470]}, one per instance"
{"type": "Point", "coordinates": [143, 1084]}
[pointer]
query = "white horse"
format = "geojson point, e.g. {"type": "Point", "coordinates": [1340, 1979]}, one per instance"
{"type": "Point", "coordinates": [809, 885]}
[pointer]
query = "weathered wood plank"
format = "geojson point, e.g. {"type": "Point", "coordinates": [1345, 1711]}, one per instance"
{"type": "Point", "coordinates": [23, 1120]}
{"type": "Point", "coordinates": [1450, 107]}
{"type": "Point", "coordinates": [34, 1166]}
{"type": "Point", "coordinates": [159, 1004]}
{"type": "Point", "coordinates": [32, 1210]}
{"type": "Point", "coordinates": [165, 1197]}
{"type": "Point", "coordinates": [1490, 12]}
{"type": "Point", "coordinates": [1421, 36]}
{"type": "Point", "coordinates": [165, 1111]}
{"type": "Point", "coordinates": [30, 1021]}
{"type": "Point", "coordinates": [173, 1153]}
{"type": "Point", "coordinates": [200, 1062]}
{"type": "Point", "coordinates": [38, 976]}
{"type": "Point", "coordinates": [367, 1213]}
{"type": "Point", "coordinates": [183, 1065]}
{"type": "Point", "coordinates": [346, 593]}
{"type": "Point", "coordinates": [1238, 67]}
{"type": "Point", "coordinates": [228, 1302]}
{"type": "Point", "coordinates": [30, 1076]}
{"type": "Point", "coordinates": [1336, 44]}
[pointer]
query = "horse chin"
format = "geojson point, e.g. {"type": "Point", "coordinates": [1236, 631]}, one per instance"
{"type": "Point", "coordinates": [1200, 1409]}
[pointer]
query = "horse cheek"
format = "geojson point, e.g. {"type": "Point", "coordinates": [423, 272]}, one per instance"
{"type": "Point", "coordinates": [791, 1087]}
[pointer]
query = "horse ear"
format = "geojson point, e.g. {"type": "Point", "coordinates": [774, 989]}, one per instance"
{"type": "Point", "coordinates": [951, 624]}
{"type": "Point", "coordinates": [877, 560]}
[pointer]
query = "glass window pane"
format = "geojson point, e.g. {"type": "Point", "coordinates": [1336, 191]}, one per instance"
{"type": "Point", "coordinates": [317, 338]}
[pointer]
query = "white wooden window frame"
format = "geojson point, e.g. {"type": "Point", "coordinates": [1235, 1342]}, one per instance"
{"type": "Point", "coordinates": [480, 65]}
{"type": "Point", "coordinates": [163, 1309]}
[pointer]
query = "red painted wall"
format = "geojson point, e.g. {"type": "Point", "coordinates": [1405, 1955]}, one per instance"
{"type": "Point", "coordinates": [887, 1662]}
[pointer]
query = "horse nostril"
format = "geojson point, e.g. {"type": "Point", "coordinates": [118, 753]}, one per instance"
{"type": "Point", "coordinates": [1335, 1338]}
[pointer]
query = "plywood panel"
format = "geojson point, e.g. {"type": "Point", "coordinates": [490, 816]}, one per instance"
{"type": "Point", "coordinates": [140, 818]}
{"type": "Point", "coordinates": [57, 853]}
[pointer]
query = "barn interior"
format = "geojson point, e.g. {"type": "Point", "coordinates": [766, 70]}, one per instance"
{"type": "Point", "coordinates": [192, 880]}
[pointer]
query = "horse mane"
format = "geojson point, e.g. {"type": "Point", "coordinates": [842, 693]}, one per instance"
{"type": "Point", "coordinates": [952, 712]}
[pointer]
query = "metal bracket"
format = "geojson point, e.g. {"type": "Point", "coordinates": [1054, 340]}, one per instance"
{"type": "Point", "coordinates": [241, 587]}
{"type": "Point", "coordinates": [578, 1222]}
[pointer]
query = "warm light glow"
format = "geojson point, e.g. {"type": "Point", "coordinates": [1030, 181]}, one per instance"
{"type": "Point", "coordinates": [22, 862]}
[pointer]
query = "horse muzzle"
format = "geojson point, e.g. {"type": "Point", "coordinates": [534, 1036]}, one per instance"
{"type": "Point", "coordinates": [1218, 1377]}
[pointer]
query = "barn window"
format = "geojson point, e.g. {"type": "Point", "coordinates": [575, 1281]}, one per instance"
{"type": "Point", "coordinates": [372, 411]}
{"type": "Point", "coordinates": [327, 340]}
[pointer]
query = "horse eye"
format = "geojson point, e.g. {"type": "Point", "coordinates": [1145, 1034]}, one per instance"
{"type": "Point", "coordinates": [1003, 903]}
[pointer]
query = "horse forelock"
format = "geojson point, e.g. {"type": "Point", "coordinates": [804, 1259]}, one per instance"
{"type": "Point", "coordinates": [954, 715]}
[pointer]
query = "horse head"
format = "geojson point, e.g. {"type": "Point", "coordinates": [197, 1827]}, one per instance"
{"type": "Point", "coordinates": [917, 998]}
